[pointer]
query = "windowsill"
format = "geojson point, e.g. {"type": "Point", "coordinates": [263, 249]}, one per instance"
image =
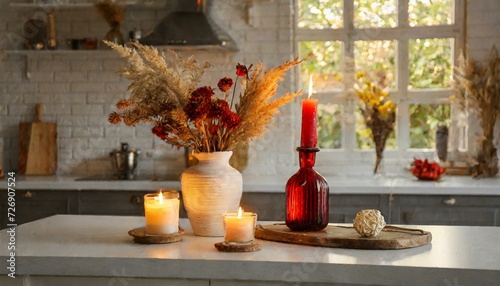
{"type": "Point", "coordinates": [448, 185]}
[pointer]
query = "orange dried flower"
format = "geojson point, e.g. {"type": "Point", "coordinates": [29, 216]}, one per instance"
{"type": "Point", "coordinates": [114, 118]}
{"type": "Point", "coordinates": [123, 104]}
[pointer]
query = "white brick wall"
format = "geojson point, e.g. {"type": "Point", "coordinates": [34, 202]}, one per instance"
{"type": "Point", "coordinates": [78, 90]}
{"type": "Point", "coordinates": [483, 28]}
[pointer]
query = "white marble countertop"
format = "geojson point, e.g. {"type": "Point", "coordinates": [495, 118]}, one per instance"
{"type": "Point", "coordinates": [448, 185]}
{"type": "Point", "coordinates": [66, 245]}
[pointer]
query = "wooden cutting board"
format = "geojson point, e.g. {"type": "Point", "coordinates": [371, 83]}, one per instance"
{"type": "Point", "coordinates": [390, 237]}
{"type": "Point", "coordinates": [37, 146]}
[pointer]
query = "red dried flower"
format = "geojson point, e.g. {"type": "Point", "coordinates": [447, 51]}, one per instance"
{"type": "Point", "coordinates": [241, 70]}
{"type": "Point", "coordinates": [225, 84]}
{"type": "Point", "coordinates": [218, 107]}
{"type": "Point", "coordinates": [213, 129]}
{"type": "Point", "coordinates": [230, 119]}
{"type": "Point", "coordinates": [159, 131]}
{"type": "Point", "coordinates": [199, 102]}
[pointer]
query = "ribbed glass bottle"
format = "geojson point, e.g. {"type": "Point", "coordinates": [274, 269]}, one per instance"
{"type": "Point", "coordinates": [307, 194]}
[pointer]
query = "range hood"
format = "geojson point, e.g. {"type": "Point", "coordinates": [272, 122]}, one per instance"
{"type": "Point", "coordinates": [189, 29]}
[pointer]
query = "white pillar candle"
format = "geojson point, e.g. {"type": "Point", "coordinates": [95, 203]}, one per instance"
{"type": "Point", "coordinates": [239, 227]}
{"type": "Point", "coordinates": [162, 212]}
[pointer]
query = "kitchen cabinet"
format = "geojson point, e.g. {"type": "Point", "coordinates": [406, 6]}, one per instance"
{"type": "Point", "coordinates": [36, 204]}
{"type": "Point", "coordinates": [343, 208]}
{"type": "Point", "coordinates": [121, 203]}
{"type": "Point", "coordinates": [267, 206]}
{"type": "Point", "coordinates": [446, 210]}
{"type": "Point", "coordinates": [270, 206]}
{"type": "Point", "coordinates": [112, 203]}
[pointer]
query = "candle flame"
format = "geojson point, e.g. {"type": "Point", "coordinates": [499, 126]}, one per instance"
{"type": "Point", "coordinates": [240, 212]}
{"type": "Point", "coordinates": [310, 86]}
{"type": "Point", "coordinates": [160, 197]}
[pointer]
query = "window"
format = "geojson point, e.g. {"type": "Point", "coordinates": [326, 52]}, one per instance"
{"type": "Point", "coordinates": [407, 46]}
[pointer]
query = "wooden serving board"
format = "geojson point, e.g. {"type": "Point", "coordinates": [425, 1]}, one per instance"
{"type": "Point", "coordinates": [37, 146]}
{"type": "Point", "coordinates": [390, 237]}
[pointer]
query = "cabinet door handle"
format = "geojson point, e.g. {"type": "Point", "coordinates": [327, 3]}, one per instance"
{"type": "Point", "coordinates": [136, 200]}
{"type": "Point", "coordinates": [27, 195]}
{"type": "Point", "coordinates": [449, 201]}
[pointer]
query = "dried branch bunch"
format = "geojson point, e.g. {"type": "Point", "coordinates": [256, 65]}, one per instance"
{"type": "Point", "coordinates": [378, 111]}
{"type": "Point", "coordinates": [478, 90]}
{"type": "Point", "coordinates": [112, 12]}
{"type": "Point", "coordinates": [184, 115]}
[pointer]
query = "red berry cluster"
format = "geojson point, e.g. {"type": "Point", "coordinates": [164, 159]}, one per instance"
{"type": "Point", "coordinates": [425, 170]}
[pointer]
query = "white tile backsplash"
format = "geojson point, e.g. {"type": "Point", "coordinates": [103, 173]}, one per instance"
{"type": "Point", "coordinates": [79, 89]}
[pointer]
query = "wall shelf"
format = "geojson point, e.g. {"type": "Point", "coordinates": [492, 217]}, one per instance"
{"type": "Point", "coordinates": [31, 55]}
{"type": "Point", "coordinates": [34, 54]}
{"type": "Point", "coordinates": [54, 52]}
{"type": "Point", "coordinates": [83, 4]}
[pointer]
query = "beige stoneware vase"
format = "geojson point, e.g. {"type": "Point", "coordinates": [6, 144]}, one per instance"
{"type": "Point", "coordinates": [209, 189]}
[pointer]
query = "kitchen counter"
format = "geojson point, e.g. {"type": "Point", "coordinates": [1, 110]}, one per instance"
{"type": "Point", "coordinates": [448, 185]}
{"type": "Point", "coordinates": [96, 250]}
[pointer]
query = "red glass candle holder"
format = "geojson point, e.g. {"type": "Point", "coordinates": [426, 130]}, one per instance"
{"type": "Point", "coordinates": [307, 194]}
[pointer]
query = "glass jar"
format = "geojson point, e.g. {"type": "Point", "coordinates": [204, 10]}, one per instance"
{"type": "Point", "coordinates": [162, 212]}
{"type": "Point", "coordinates": [239, 228]}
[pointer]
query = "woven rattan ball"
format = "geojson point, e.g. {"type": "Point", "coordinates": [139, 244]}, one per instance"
{"type": "Point", "coordinates": [369, 223]}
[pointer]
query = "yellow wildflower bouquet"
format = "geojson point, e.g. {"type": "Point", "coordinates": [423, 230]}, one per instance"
{"type": "Point", "coordinates": [378, 111]}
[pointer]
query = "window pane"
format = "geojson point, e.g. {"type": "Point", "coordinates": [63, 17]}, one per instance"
{"type": "Point", "coordinates": [325, 67]}
{"type": "Point", "coordinates": [320, 14]}
{"type": "Point", "coordinates": [424, 119]}
{"type": "Point", "coordinates": [377, 60]}
{"type": "Point", "coordinates": [430, 12]}
{"type": "Point", "coordinates": [430, 63]}
{"type": "Point", "coordinates": [375, 13]}
{"type": "Point", "coordinates": [364, 135]}
{"type": "Point", "coordinates": [329, 126]}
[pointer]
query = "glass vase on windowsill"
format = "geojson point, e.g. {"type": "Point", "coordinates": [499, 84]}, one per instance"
{"type": "Point", "coordinates": [379, 114]}
{"type": "Point", "coordinates": [379, 169]}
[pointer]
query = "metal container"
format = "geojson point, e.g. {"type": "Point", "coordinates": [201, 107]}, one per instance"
{"type": "Point", "coordinates": [124, 162]}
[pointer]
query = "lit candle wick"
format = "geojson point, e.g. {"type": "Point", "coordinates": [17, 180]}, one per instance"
{"type": "Point", "coordinates": [310, 86]}
{"type": "Point", "coordinates": [240, 212]}
{"type": "Point", "coordinates": [160, 197]}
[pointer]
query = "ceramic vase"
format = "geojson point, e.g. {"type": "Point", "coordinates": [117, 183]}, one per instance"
{"type": "Point", "coordinates": [209, 189]}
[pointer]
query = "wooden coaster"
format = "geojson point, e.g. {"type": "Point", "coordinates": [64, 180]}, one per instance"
{"type": "Point", "coordinates": [391, 237]}
{"type": "Point", "coordinates": [225, 247]}
{"type": "Point", "coordinates": [140, 236]}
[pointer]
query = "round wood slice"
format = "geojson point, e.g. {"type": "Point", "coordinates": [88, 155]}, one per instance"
{"type": "Point", "coordinates": [225, 247]}
{"type": "Point", "coordinates": [140, 236]}
{"type": "Point", "coordinates": [390, 237]}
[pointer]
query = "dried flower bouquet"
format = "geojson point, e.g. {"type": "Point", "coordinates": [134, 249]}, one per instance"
{"type": "Point", "coordinates": [184, 115]}
{"type": "Point", "coordinates": [478, 90]}
{"type": "Point", "coordinates": [379, 114]}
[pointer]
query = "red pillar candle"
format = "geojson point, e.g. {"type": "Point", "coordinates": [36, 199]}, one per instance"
{"type": "Point", "coordinates": [309, 134]}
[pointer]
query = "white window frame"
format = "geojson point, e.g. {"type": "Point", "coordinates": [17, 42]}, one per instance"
{"type": "Point", "coordinates": [398, 158]}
